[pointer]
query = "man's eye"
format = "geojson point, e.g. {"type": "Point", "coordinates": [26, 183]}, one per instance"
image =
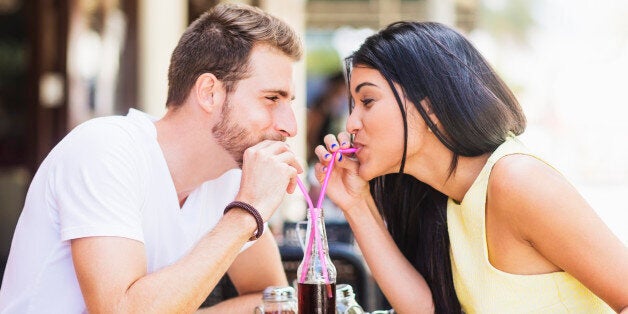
{"type": "Point", "coordinates": [273, 98]}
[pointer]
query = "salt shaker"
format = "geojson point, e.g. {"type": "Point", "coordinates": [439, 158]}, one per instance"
{"type": "Point", "coordinates": [345, 300]}
{"type": "Point", "coordinates": [278, 300]}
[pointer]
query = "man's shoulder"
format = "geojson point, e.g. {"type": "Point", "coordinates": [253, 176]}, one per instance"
{"type": "Point", "coordinates": [134, 126]}
{"type": "Point", "coordinates": [112, 140]}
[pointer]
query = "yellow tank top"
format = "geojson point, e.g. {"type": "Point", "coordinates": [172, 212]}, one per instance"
{"type": "Point", "coordinates": [482, 288]}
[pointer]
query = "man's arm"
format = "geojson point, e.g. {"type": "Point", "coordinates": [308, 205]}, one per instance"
{"type": "Point", "coordinates": [252, 271]}
{"type": "Point", "coordinates": [113, 277]}
{"type": "Point", "coordinates": [112, 270]}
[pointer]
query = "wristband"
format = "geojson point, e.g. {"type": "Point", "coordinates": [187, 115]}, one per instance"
{"type": "Point", "coordinates": [251, 210]}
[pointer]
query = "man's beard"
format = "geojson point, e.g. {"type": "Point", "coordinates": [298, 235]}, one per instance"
{"type": "Point", "coordinates": [234, 138]}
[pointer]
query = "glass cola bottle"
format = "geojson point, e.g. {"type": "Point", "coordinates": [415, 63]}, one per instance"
{"type": "Point", "coordinates": [316, 275]}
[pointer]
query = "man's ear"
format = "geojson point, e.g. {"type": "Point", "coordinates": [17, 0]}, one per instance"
{"type": "Point", "coordinates": [209, 92]}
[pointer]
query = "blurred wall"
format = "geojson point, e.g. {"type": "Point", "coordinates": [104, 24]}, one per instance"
{"type": "Point", "coordinates": [161, 23]}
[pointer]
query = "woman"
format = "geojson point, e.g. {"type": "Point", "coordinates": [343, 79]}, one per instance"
{"type": "Point", "coordinates": [450, 210]}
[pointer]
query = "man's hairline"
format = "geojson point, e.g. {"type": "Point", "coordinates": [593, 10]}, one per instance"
{"type": "Point", "coordinates": [245, 74]}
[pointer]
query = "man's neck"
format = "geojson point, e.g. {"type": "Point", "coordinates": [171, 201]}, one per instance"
{"type": "Point", "coordinates": [191, 153]}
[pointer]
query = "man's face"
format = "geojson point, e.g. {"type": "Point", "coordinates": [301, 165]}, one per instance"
{"type": "Point", "coordinates": [260, 106]}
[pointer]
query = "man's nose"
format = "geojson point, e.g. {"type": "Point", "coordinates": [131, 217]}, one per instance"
{"type": "Point", "coordinates": [285, 121]}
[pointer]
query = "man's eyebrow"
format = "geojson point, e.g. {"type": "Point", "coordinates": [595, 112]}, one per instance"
{"type": "Point", "coordinates": [357, 88]}
{"type": "Point", "coordinates": [281, 92]}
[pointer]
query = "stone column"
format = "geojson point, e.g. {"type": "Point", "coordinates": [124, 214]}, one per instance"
{"type": "Point", "coordinates": [161, 23]}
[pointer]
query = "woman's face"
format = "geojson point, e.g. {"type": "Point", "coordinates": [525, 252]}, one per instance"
{"type": "Point", "coordinates": [377, 124]}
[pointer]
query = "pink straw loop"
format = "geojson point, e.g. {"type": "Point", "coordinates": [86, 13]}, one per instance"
{"type": "Point", "coordinates": [314, 212]}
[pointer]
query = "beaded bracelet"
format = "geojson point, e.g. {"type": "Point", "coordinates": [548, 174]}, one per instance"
{"type": "Point", "coordinates": [251, 210]}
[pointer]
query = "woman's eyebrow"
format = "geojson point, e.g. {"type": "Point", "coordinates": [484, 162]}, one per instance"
{"type": "Point", "coordinates": [357, 88]}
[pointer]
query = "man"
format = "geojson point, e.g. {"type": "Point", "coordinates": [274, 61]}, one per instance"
{"type": "Point", "coordinates": [126, 213]}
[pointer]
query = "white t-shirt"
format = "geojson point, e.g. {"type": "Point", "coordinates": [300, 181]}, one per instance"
{"type": "Point", "coordinates": [108, 177]}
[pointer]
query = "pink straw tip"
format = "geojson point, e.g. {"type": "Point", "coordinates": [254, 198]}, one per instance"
{"type": "Point", "coordinates": [349, 150]}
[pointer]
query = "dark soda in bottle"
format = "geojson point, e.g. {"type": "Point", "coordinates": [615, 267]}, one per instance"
{"type": "Point", "coordinates": [315, 298]}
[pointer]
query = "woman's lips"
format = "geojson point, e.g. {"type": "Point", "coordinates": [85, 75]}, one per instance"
{"type": "Point", "coordinates": [357, 147]}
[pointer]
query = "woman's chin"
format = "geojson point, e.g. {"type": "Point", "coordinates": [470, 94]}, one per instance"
{"type": "Point", "coordinates": [365, 174]}
{"type": "Point", "coordinates": [369, 173]}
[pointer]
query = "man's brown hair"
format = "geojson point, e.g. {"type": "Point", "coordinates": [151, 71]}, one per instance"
{"type": "Point", "coordinates": [220, 42]}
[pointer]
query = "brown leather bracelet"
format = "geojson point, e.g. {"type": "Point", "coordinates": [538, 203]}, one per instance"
{"type": "Point", "coordinates": [251, 210]}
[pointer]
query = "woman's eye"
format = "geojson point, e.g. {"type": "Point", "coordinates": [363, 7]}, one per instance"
{"type": "Point", "coordinates": [366, 101]}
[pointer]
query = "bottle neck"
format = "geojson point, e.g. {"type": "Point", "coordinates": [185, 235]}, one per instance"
{"type": "Point", "coordinates": [316, 266]}
{"type": "Point", "coordinates": [316, 220]}
{"type": "Point", "coordinates": [317, 213]}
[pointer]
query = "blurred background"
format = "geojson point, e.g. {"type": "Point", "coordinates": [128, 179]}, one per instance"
{"type": "Point", "coordinates": [65, 61]}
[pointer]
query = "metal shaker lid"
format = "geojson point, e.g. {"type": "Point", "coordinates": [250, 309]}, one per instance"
{"type": "Point", "coordinates": [344, 291]}
{"type": "Point", "coordinates": [278, 293]}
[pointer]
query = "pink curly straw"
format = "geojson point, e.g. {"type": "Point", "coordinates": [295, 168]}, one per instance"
{"type": "Point", "coordinates": [313, 230]}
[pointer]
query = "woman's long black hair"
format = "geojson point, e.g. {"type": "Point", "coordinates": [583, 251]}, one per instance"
{"type": "Point", "coordinates": [476, 112]}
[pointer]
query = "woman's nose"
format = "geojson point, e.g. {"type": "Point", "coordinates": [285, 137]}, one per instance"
{"type": "Point", "coordinates": [354, 122]}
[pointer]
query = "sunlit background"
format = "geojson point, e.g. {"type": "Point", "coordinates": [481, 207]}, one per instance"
{"type": "Point", "coordinates": [567, 62]}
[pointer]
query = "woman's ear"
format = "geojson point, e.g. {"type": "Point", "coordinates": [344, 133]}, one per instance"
{"type": "Point", "coordinates": [427, 106]}
{"type": "Point", "coordinates": [209, 92]}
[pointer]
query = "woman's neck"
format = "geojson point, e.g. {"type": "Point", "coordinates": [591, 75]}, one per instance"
{"type": "Point", "coordinates": [434, 170]}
